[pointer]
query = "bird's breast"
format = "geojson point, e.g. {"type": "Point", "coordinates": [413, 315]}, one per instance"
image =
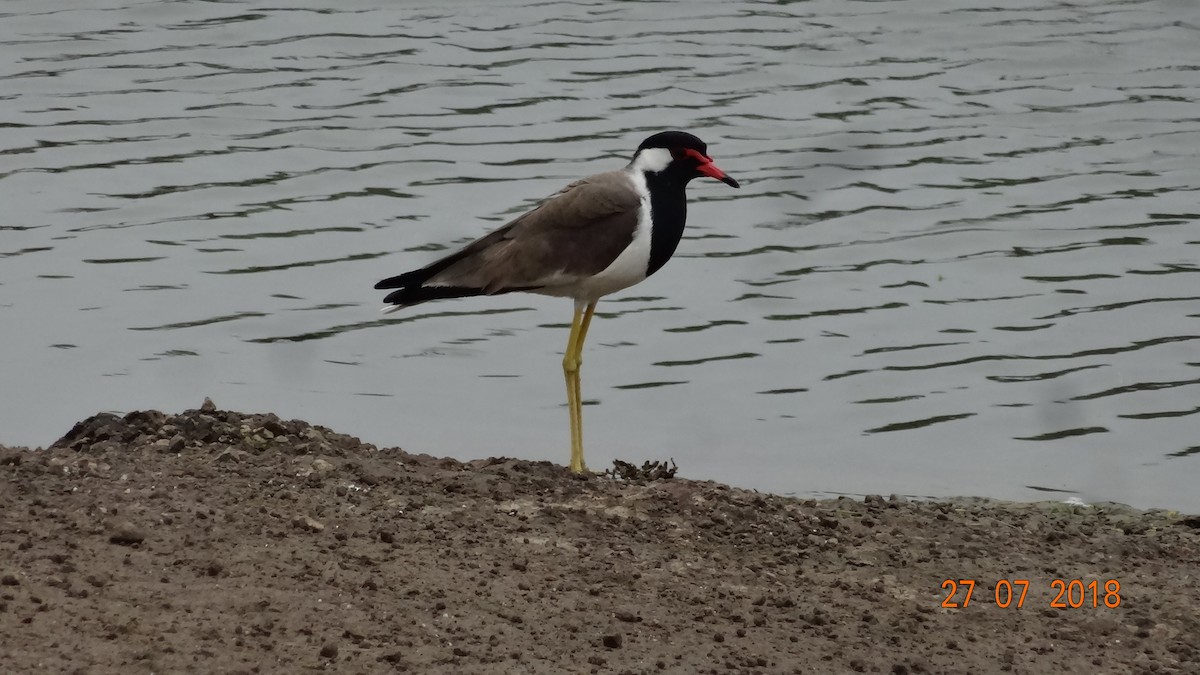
{"type": "Point", "coordinates": [668, 213]}
{"type": "Point", "coordinates": [632, 264]}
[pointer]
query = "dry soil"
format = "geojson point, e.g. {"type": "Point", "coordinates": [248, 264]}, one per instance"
{"type": "Point", "coordinates": [220, 542]}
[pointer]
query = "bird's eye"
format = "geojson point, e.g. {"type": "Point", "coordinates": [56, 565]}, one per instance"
{"type": "Point", "coordinates": [678, 153]}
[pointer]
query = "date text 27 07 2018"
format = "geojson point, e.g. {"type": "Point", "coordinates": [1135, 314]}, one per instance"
{"type": "Point", "coordinates": [1068, 594]}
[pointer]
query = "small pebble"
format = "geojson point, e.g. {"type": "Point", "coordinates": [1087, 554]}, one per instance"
{"type": "Point", "coordinates": [308, 523]}
{"type": "Point", "coordinates": [126, 534]}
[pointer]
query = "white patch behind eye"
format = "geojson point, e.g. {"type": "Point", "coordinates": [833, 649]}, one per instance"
{"type": "Point", "coordinates": [652, 160]}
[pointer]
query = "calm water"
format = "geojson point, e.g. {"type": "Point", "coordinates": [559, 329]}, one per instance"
{"type": "Point", "coordinates": [963, 261]}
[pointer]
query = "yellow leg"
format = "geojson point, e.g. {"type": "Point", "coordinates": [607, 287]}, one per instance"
{"type": "Point", "coordinates": [572, 359]}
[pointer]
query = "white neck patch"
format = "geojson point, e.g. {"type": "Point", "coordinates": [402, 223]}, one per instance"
{"type": "Point", "coordinates": [652, 160]}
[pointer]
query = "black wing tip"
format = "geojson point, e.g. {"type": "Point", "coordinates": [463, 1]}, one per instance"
{"type": "Point", "coordinates": [395, 282]}
{"type": "Point", "coordinates": [415, 295]}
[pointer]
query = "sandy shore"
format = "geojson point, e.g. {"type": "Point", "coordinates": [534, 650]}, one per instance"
{"type": "Point", "coordinates": [215, 541]}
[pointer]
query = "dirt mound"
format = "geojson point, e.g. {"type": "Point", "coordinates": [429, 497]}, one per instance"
{"type": "Point", "coordinates": [215, 541]}
{"type": "Point", "coordinates": [205, 428]}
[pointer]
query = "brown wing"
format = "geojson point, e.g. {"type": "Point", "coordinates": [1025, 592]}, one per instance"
{"type": "Point", "coordinates": [576, 233]}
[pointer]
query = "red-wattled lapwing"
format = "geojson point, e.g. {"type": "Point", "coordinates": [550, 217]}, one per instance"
{"type": "Point", "coordinates": [596, 236]}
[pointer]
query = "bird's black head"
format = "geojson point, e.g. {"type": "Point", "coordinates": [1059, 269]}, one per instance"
{"type": "Point", "coordinates": [685, 156]}
{"type": "Point", "coordinates": [674, 139]}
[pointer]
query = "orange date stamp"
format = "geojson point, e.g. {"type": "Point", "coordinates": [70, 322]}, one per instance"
{"type": "Point", "coordinates": [1068, 594]}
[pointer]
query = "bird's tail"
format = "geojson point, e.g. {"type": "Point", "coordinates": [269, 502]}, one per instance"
{"type": "Point", "coordinates": [413, 288]}
{"type": "Point", "coordinates": [410, 289]}
{"type": "Point", "coordinates": [415, 295]}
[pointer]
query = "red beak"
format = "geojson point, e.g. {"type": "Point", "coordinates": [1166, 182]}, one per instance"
{"type": "Point", "coordinates": [707, 168]}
